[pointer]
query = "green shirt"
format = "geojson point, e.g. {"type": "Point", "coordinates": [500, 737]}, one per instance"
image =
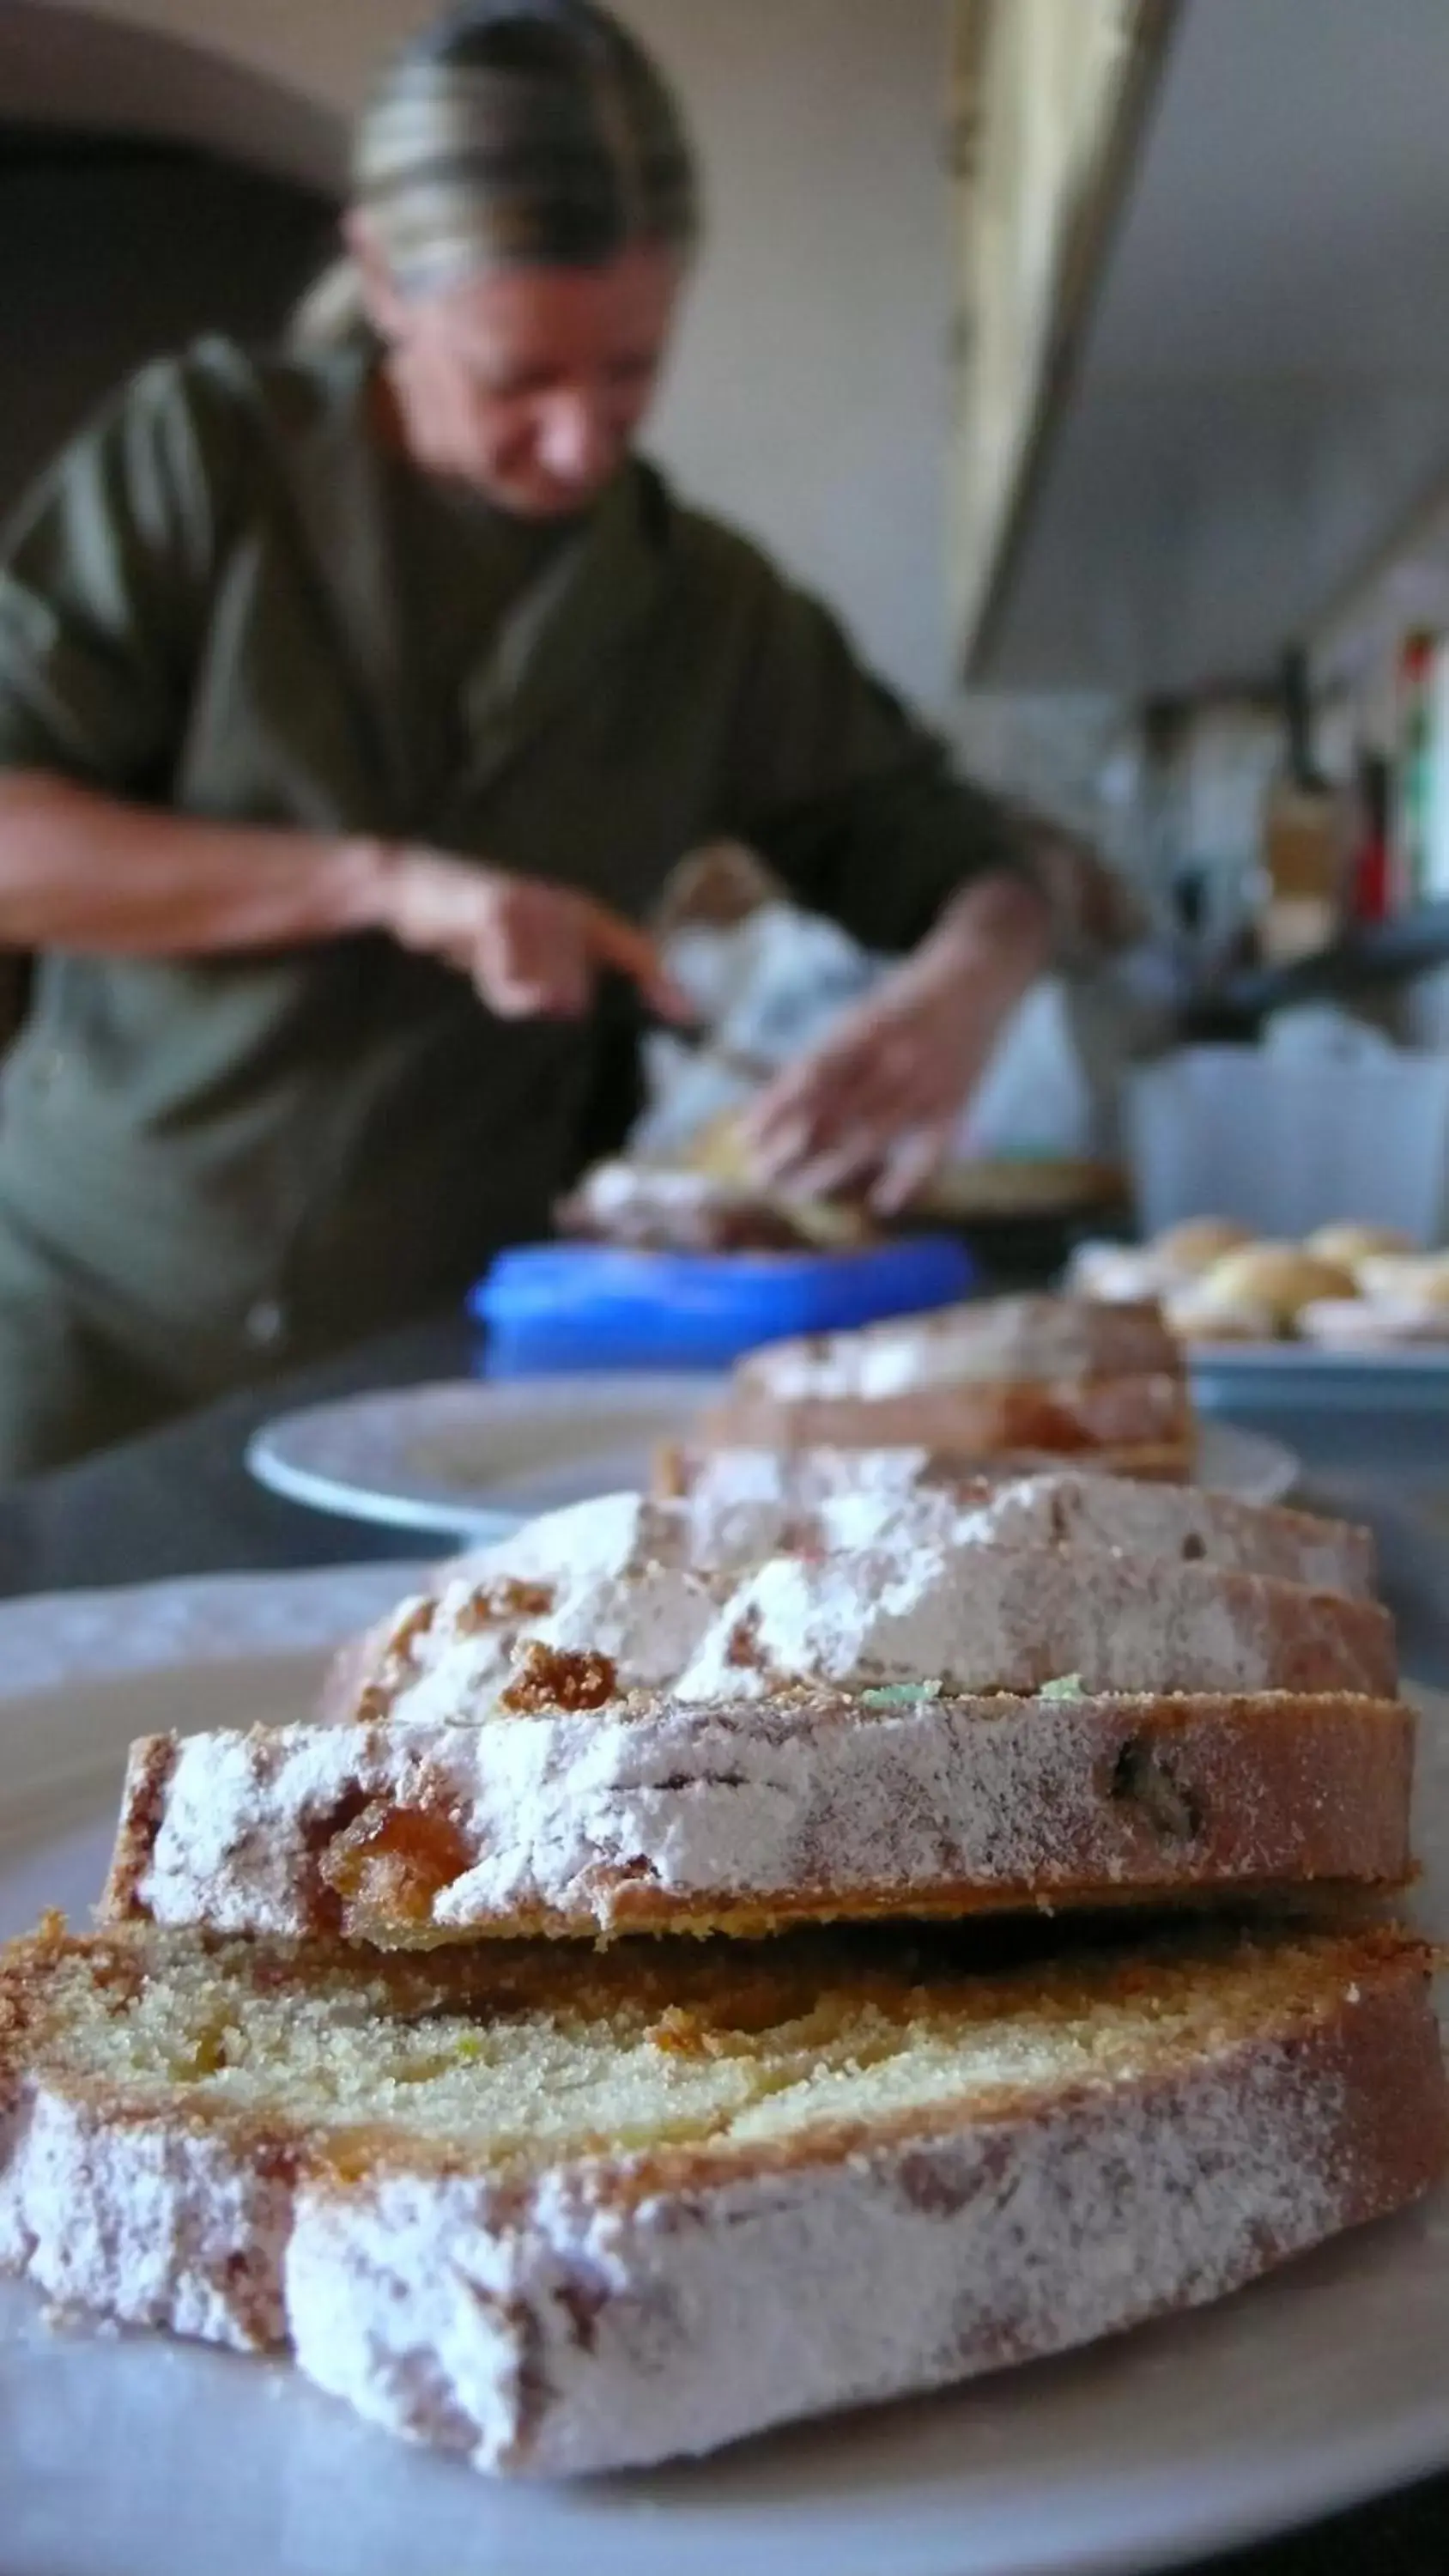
{"type": "Point", "coordinates": [462, 565]}
{"type": "Point", "coordinates": [214, 603]}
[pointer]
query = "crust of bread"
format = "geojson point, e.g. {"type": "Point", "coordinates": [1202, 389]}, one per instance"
{"type": "Point", "coordinates": [653, 1815]}
{"type": "Point", "coordinates": [1018, 1617]}
{"type": "Point", "coordinates": [625, 2307]}
{"type": "Point", "coordinates": [1144, 1422]}
{"type": "Point", "coordinates": [1056, 1504]}
{"type": "Point", "coordinates": [676, 1467]}
{"type": "Point", "coordinates": [612, 2338]}
{"type": "Point", "coordinates": [1005, 1340]}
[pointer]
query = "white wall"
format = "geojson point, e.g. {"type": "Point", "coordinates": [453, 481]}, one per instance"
{"type": "Point", "coordinates": [811, 395]}
{"type": "Point", "coordinates": [810, 398]}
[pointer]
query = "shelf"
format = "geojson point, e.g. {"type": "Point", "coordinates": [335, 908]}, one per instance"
{"type": "Point", "coordinates": [1387, 953]}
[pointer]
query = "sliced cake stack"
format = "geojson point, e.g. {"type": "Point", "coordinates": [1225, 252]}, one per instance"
{"type": "Point", "coordinates": [1066, 1690]}
{"type": "Point", "coordinates": [1011, 1380]}
{"type": "Point", "coordinates": [561, 2206]}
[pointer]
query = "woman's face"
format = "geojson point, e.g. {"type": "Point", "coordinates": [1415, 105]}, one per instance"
{"type": "Point", "coordinates": [527, 383]}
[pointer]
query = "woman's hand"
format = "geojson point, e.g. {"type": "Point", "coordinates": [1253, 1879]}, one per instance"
{"type": "Point", "coordinates": [108, 878]}
{"type": "Point", "coordinates": [876, 1104]}
{"type": "Point", "coordinates": [533, 950]}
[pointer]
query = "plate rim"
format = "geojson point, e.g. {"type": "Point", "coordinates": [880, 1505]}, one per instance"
{"type": "Point", "coordinates": [269, 1461]}
{"type": "Point", "coordinates": [319, 1490]}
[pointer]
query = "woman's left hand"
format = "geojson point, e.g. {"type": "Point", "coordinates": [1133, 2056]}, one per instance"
{"type": "Point", "coordinates": [876, 1104]}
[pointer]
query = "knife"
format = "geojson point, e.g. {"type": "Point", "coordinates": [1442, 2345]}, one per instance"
{"type": "Point", "coordinates": [698, 1038]}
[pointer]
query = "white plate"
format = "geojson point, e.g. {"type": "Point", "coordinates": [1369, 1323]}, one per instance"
{"type": "Point", "coordinates": [132, 2456]}
{"type": "Point", "coordinates": [474, 1458]}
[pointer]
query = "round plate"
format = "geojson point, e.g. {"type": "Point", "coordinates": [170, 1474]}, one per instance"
{"type": "Point", "coordinates": [470, 1458]}
{"type": "Point", "coordinates": [134, 2456]}
{"type": "Point", "coordinates": [475, 1458]}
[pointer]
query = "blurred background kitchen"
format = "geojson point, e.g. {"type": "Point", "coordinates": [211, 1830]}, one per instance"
{"type": "Point", "coordinates": [1086, 355]}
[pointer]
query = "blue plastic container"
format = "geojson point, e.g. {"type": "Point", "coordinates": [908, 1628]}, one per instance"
{"type": "Point", "coordinates": [580, 1306]}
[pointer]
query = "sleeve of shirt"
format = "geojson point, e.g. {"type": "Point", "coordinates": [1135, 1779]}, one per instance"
{"type": "Point", "coordinates": [851, 801]}
{"type": "Point", "coordinates": [105, 576]}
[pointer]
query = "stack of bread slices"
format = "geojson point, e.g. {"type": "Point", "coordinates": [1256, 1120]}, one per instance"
{"type": "Point", "coordinates": [1014, 1381]}
{"type": "Point", "coordinates": [721, 1957]}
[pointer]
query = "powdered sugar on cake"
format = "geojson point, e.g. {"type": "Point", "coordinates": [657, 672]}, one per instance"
{"type": "Point", "coordinates": [1005, 1338]}
{"type": "Point", "coordinates": [1003, 1618]}
{"type": "Point", "coordinates": [568, 1818]}
{"type": "Point", "coordinates": [597, 2317]}
{"type": "Point", "coordinates": [894, 1582]}
{"type": "Point", "coordinates": [781, 2296]}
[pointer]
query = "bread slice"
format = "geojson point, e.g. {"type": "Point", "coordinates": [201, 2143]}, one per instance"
{"type": "Point", "coordinates": [834, 1498]}
{"type": "Point", "coordinates": [985, 1597]}
{"type": "Point", "coordinates": [929, 1728]}
{"type": "Point", "coordinates": [1007, 1376]}
{"type": "Point", "coordinates": [1133, 1426]}
{"type": "Point", "coordinates": [1013, 1618]}
{"type": "Point", "coordinates": [644, 1583]}
{"type": "Point", "coordinates": [651, 1814]}
{"type": "Point", "coordinates": [990, 1341]}
{"type": "Point", "coordinates": [562, 2215]}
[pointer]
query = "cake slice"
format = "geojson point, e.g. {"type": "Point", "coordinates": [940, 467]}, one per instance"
{"type": "Point", "coordinates": [834, 1498]}
{"type": "Point", "coordinates": [988, 1340]}
{"type": "Point", "coordinates": [562, 2214]}
{"type": "Point", "coordinates": [597, 1563]}
{"type": "Point", "coordinates": [644, 1583]}
{"type": "Point", "coordinates": [930, 1731]}
{"type": "Point", "coordinates": [653, 1814]}
{"type": "Point", "coordinates": [997, 1378]}
{"type": "Point", "coordinates": [1002, 1617]}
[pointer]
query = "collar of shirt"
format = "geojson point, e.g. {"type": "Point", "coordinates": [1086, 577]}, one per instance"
{"type": "Point", "coordinates": [589, 596]}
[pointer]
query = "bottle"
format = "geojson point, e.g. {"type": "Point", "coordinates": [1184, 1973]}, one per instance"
{"type": "Point", "coordinates": [1370, 884]}
{"type": "Point", "coordinates": [1414, 779]}
{"type": "Point", "coordinates": [1303, 854]}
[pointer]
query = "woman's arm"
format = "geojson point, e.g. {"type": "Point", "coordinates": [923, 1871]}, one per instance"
{"type": "Point", "coordinates": [85, 871]}
{"type": "Point", "coordinates": [856, 807]}
{"type": "Point", "coordinates": [90, 872]}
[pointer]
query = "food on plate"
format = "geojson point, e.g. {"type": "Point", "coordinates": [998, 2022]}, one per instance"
{"type": "Point", "coordinates": [1350, 1286]}
{"type": "Point", "coordinates": [1346, 1245]}
{"type": "Point", "coordinates": [653, 1208]}
{"type": "Point", "coordinates": [990, 1380]}
{"type": "Point", "coordinates": [1280, 1277]}
{"type": "Point", "coordinates": [1203, 1312]}
{"type": "Point", "coordinates": [1187, 1250]}
{"type": "Point", "coordinates": [368, 2063]}
{"type": "Point", "coordinates": [1167, 1266]}
{"type": "Point", "coordinates": [1406, 1280]}
{"type": "Point", "coordinates": [1042, 1694]}
{"type": "Point", "coordinates": [560, 2213]}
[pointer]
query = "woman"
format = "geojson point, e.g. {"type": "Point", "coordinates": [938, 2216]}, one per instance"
{"type": "Point", "coordinates": [354, 705]}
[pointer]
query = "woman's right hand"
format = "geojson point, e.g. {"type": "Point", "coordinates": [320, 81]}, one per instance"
{"type": "Point", "coordinates": [533, 950]}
